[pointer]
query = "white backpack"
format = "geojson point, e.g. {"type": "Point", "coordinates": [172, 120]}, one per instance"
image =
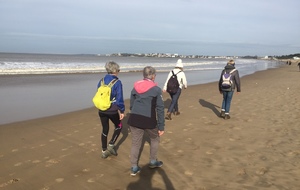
{"type": "Point", "coordinates": [227, 81]}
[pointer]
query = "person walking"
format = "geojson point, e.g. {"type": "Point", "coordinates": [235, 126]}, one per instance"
{"type": "Point", "coordinates": [299, 65]}
{"type": "Point", "coordinates": [146, 115]}
{"type": "Point", "coordinates": [227, 90]}
{"type": "Point", "coordinates": [116, 111]}
{"type": "Point", "coordinates": [178, 71]}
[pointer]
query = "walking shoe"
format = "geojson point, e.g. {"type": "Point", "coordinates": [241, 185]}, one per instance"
{"type": "Point", "coordinates": [135, 170]}
{"type": "Point", "coordinates": [156, 164]}
{"type": "Point", "coordinates": [168, 116]}
{"type": "Point", "coordinates": [227, 116]}
{"type": "Point", "coordinates": [222, 114]}
{"type": "Point", "coordinates": [105, 154]}
{"type": "Point", "coordinates": [111, 149]}
{"type": "Point", "coordinates": [176, 113]}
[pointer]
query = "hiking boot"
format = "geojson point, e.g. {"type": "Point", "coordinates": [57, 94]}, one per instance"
{"type": "Point", "coordinates": [222, 114]}
{"type": "Point", "coordinates": [168, 116]}
{"type": "Point", "coordinates": [111, 149]}
{"type": "Point", "coordinates": [156, 164]}
{"type": "Point", "coordinates": [227, 116]}
{"type": "Point", "coordinates": [176, 113]}
{"type": "Point", "coordinates": [105, 154]}
{"type": "Point", "coordinates": [135, 170]}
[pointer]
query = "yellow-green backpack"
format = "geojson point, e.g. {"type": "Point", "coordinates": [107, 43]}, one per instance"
{"type": "Point", "coordinates": [101, 99]}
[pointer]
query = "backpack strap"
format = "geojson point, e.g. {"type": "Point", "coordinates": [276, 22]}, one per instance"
{"type": "Point", "coordinates": [173, 74]}
{"type": "Point", "coordinates": [112, 82]}
{"type": "Point", "coordinates": [178, 72]}
{"type": "Point", "coordinates": [102, 82]}
{"type": "Point", "coordinates": [232, 71]}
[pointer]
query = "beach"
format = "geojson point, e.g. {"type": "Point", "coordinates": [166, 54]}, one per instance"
{"type": "Point", "coordinates": [258, 148]}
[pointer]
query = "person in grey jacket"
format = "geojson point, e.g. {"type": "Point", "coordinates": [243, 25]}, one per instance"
{"type": "Point", "coordinates": [146, 115]}
{"type": "Point", "coordinates": [228, 92]}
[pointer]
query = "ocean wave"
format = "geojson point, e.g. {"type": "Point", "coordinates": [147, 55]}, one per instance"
{"type": "Point", "coordinates": [70, 66]}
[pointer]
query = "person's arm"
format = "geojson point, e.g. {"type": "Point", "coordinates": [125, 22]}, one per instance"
{"type": "Point", "coordinates": [165, 85]}
{"type": "Point", "coordinates": [184, 81]}
{"type": "Point", "coordinates": [237, 81]}
{"type": "Point", "coordinates": [160, 112]}
{"type": "Point", "coordinates": [220, 82]}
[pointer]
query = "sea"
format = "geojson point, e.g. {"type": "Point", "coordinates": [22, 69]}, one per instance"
{"type": "Point", "coordinates": [41, 85]}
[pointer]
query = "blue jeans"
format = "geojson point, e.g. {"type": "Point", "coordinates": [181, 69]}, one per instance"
{"type": "Point", "coordinates": [227, 97]}
{"type": "Point", "coordinates": [174, 103]}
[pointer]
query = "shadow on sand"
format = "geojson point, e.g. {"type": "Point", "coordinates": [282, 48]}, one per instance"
{"type": "Point", "coordinates": [211, 106]}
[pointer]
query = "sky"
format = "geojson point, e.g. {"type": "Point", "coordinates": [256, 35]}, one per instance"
{"type": "Point", "coordinates": [186, 27]}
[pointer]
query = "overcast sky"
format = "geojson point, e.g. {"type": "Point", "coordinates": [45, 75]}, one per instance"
{"type": "Point", "coordinates": [199, 27]}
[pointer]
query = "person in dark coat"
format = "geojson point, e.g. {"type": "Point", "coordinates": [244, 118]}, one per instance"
{"type": "Point", "coordinates": [228, 92]}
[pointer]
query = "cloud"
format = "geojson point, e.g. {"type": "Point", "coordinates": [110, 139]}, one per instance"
{"type": "Point", "coordinates": [169, 21]}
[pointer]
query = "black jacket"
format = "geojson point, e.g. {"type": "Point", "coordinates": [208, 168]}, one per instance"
{"type": "Point", "coordinates": [235, 78]}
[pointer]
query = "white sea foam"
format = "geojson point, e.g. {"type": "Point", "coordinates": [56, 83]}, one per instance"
{"type": "Point", "coordinates": [48, 64]}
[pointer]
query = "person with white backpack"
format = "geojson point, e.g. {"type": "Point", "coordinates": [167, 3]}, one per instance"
{"type": "Point", "coordinates": [229, 81]}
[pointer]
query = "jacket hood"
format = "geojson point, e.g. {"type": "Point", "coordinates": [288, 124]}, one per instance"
{"type": "Point", "coordinates": [144, 85]}
{"type": "Point", "coordinates": [229, 67]}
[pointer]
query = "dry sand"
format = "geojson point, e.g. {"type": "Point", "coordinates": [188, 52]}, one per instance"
{"type": "Point", "coordinates": [258, 148]}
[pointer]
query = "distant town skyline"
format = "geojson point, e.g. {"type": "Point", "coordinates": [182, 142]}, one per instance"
{"type": "Point", "coordinates": [188, 27]}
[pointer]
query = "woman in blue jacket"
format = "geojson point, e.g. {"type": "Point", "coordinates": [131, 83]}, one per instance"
{"type": "Point", "coordinates": [115, 113]}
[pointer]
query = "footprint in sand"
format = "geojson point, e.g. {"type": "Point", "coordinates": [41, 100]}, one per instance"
{"type": "Point", "coordinates": [86, 170]}
{"type": "Point", "coordinates": [92, 180]}
{"type": "Point", "coordinates": [15, 150]}
{"type": "Point", "coordinates": [293, 153]}
{"type": "Point", "coordinates": [83, 171]}
{"type": "Point", "coordinates": [242, 171]}
{"type": "Point", "coordinates": [188, 173]}
{"type": "Point", "coordinates": [261, 171]}
{"type": "Point", "coordinates": [51, 140]}
{"type": "Point", "coordinates": [209, 152]}
{"type": "Point", "coordinates": [36, 161]}
{"type": "Point", "coordinates": [165, 141]}
{"type": "Point", "coordinates": [59, 180]}
{"type": "Point", "coordinates": [51, 162]}
{"type": "Point", "coordinates": [9, 182]}
{"type": "Point", "coordinates": [18, 164]}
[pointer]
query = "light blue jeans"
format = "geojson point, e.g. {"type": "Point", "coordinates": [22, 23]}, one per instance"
{"type": "Point", "coordinates": [227, 97]}
{"type": "Point", "coordinates": [174, 101]}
